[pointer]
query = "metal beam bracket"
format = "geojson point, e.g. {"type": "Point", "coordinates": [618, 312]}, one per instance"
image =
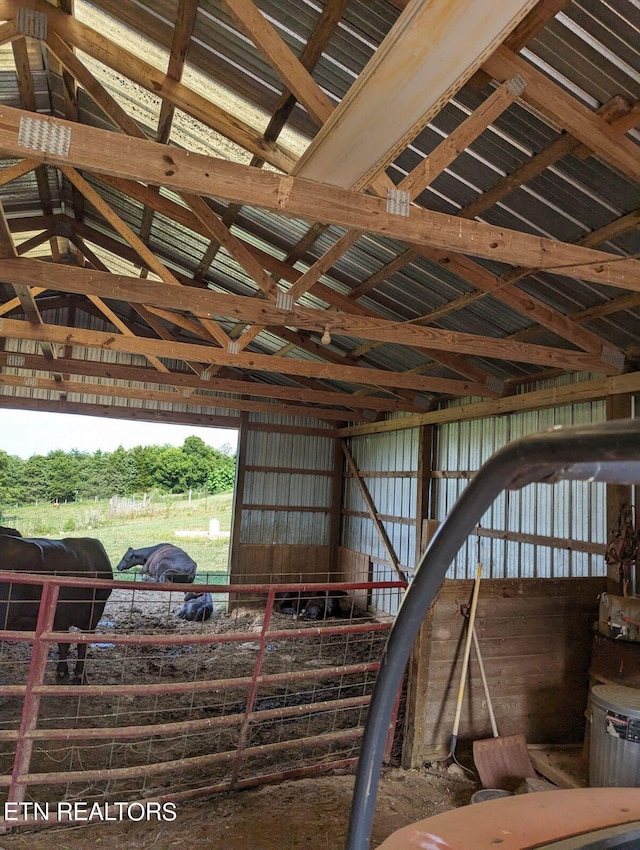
{"type": "Point", "coordinates": [494, 385]}
{"type": "Point", "coordinates": [284, 301]}
{"type": "Point", "coordinates": [39, 135]}
{"type": "Point", "coordinates": [31, 23]}
{"type": "Point", "coordinates": [516, 85]}
{"type": "Point", "coordinates": [398, 202]}
{"type": "Point", "coordinates": [612, 357]}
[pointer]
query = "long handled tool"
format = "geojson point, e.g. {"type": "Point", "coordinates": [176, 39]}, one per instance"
{"type": "Point", "coordinates": [501, 762]}
{"type": "Point", "coordinates": [485, 684]}
{"type": "Point", "coordinates": [465, 665]}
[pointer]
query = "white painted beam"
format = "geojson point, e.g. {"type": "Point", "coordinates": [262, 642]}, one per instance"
{"type": "Point", "coordinates": [434, 47]}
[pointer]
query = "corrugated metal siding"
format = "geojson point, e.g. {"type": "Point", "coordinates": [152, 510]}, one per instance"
{"type": "Point", "coordinates": [573, 510]}
{"type": "Point", "coordinates": [393, 497]}
{"type": "Point", "coordinates": [287, 451]}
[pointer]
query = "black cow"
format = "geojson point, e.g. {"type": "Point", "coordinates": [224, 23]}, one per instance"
{"type": "Point", "coordinates": [314, 606]}
{"type": "Point", "coordinates": [162, 562]}
{"type": "Point", "coordinates": [290, 601]}
{"type": "Point", "coordinates": [328, 603]}
{"type": "Point", "coordinates": [197, 607]}
{"type": "Point", "coordinates": [82, 607]}
{"type": "Point", "coordinates": [11, 532]}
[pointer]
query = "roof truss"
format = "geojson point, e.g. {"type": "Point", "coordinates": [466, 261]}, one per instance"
{"type": "Point", "coordinates": [224, 333]}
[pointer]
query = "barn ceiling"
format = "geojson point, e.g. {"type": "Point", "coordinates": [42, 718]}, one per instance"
{"type": "Point", "coordinates": [336, 210]}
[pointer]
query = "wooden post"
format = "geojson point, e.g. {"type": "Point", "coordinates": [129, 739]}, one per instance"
{"type": "Point", "coordinates": [618, 495]}
{"type": "Point", "coordinates": [238, 500]}
{"type": "Point", "coordinates": [417, 680]}
{"type": "Point", "coordinates": [336, 509]}
{"type": "Point", "coordinates": [425, 464]}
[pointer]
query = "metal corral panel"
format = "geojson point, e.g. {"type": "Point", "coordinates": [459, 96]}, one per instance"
{"type": "Point", "coordinates": [270, 481]}
{"type": "Point", "coordinates": [565, 511]}
{"type": "Point", "coordinates": [395, 501]}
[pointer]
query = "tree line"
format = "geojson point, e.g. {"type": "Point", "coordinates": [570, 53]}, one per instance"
{"type": "Point", "coordinates": [77, 476]}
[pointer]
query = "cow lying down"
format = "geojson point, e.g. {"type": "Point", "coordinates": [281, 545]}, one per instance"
{"type": "Point", "coordinates": [319, 606]}
{"type": "Point", "coordinates": [197, 607]}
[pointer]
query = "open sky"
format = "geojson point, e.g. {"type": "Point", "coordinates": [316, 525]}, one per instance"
{"type": "Point", "coordinates": [25, 433]}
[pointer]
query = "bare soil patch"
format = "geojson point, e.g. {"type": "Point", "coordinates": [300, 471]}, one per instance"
{"type": "Point", "coordinates": [311, 813]}
{"type": "Point", "coordinates": [202, 711]}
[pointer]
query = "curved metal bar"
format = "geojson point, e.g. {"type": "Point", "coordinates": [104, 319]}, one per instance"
{"type": "Point", "coordinates": [604, 452]}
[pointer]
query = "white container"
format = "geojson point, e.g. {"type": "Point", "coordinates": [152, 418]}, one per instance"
{"type": "Point", "coordinates": [614, 757]}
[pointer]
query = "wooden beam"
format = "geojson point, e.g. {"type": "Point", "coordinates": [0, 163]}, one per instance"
{"type": "Point", "coordinates": [18, 169]}
{"type": "Point", "coordinates": [8, 32]}
{"type": "Point", "coordinates": [209, 219]}
{"type": "Point", "coordinates": [287, 66]}
{"type": "Point", "coordinates": [204, 302]}
{"type": "Point", "coordinates": [150, 78]}
{"type": "Point", "coordinates": [136, 243]}
{"type": "Point", "coordinates": [312, 51]}
{"type": "Point", "coordinates": [577, 393]}
{"type": "Point", "coordinates": [431, 51]}
{"type": "Point", "coordinates": [612, 112]}
{"type": "Point", "coordinates": [338, 301]}
{"type": "Point", "coordinates": [545, 95]}
{"type": "Point", "coordinates": [422, 175]}
{"type": "Point", "coordinates": [111, 411]}
{"type": "Point", "coordinates": [203, 381]}
{"type": "Point", "coordinates": [23, 292]}
{"type": "Point", "coordinates": [278, 269]}
{"type": "Point", "coordinates": [382, 534]}
{"type": "Point", "coordinates": [459, 139]}
{"type": "Point", "coordinates": [84, 388]}
{"type": "Point", "coordinates": [255, 362]}
{"type": "Point", "coordinates": [109, 153]}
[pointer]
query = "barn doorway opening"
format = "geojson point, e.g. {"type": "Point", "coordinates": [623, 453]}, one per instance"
{"type": "Point", "coordinates": [127, 483]}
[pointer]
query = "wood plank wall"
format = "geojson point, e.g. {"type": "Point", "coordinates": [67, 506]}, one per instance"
{"type": "Point", "coordinates": [267, 563]}
{"type": "Point", "coordinates": [355, 566]}
{"type": "Point", "coordinates": [535, 637]}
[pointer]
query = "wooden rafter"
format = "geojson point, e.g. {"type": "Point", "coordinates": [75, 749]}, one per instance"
{"type": "Point", "coordinates": [545, 95]}
{"type": "Point", "coordinates": [96, 369]}
{"type": "Point", "coordinates": [426, 234]}
{"type": "Point", "coordinates": [114, 56]}
{"type": "Point", "coordinates": [108, 153]}
{"type": "Point", "coordinates": [430, 52]}
{"type": "Point", "coordinates": [416, 181]}
{"type": "Point", "coordinates": [255, 362]}
{"type": "Point", "coordinates": [203, 302]}
{"type": "Point", "coordinates": [290, 69]}
{"type": "Point", "coordinates": [283, 270]}
{"type": "Point", "coordinates": [116, 391]}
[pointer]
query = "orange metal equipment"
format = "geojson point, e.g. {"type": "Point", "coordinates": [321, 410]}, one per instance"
{"type": "Point", "coordinates": [524, 821]}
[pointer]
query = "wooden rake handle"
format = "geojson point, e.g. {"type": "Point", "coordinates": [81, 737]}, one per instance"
{"type": "Point", "coordinates": [465, 660]}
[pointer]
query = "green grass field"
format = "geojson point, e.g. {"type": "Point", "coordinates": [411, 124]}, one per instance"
{"type": "Point", "coordinates": [156, 522]}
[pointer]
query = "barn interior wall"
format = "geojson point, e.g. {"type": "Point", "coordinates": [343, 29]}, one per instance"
{"type": "Point", "coordinates": [387, 466]}
{"type": "Point", "coordinates": [535, 637]}
{"type": "Point", "coordinates": [539, 531]}
{"type": "Point", "coordinates": [284, 512]}
{"type": "Point", "coordinates": [542, 550]}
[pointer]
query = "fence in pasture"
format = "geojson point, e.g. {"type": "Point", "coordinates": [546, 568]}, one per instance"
{"type": "Point", "coordinates": [172, 709]}
{"type": "Point", "coordinates": [128, 505]}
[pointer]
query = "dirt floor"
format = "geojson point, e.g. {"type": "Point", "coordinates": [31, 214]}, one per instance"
{"type": "Point", "coordinates": [310, 813]}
